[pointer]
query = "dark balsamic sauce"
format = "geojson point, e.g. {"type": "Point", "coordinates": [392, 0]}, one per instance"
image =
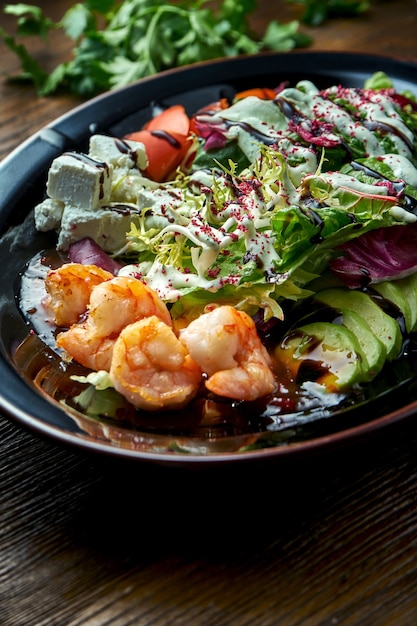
{"type": "Point", "coordinates": [405, 200]}
{"type": "Point", "coordinates": [84, 158]}
{"type": "Point", "coordinates": [207, 415]}
{"type": "Point", "coordinates": [257, 135]}
{"type": "Point", "coordinates": [163, 134]}
{"type": "Point", "coordinates": [99, 165]}
{"type": "Point", "coordinates": [253, 132]}
{"type": "Point", "coordinates": [122, 209]}
{"type": "Point", "coordinates": [124, 148]}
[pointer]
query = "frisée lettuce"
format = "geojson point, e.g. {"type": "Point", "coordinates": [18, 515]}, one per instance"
{"type": "Point", "coordinates": [257, 235]}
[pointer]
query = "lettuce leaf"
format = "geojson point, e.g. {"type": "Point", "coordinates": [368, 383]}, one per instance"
{"type": "Point", "coordinates": [256, 235]}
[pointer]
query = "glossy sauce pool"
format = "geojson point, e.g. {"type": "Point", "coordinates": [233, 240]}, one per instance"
{"type": "Point", "coordinates": [207, 416]}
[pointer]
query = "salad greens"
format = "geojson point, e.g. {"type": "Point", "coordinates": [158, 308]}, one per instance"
{"type": "Point", "coordinates": [116, 43]}
{"type": "Point", "coordinates": [277, 187]}
{"type": "Point", "coordinates": [286, 200]}
{"type": "Point", "coordinates": [257, 235]}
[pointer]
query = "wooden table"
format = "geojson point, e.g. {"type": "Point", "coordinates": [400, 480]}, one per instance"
{"type": "Point", "coordinates": [324, 542]}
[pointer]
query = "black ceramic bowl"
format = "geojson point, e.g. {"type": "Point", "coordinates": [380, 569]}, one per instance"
{"type": "Point", "coordinates": [22, 182]}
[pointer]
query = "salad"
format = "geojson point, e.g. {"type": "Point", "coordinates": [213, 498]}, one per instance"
{"type": "Point", "coordinates": [258, 257]}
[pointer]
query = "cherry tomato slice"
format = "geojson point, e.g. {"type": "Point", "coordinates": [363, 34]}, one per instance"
{"type": "Point", "coordinates": [165, 151]}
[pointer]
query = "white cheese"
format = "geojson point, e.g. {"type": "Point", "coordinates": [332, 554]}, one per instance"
{"type": "Point", "coordinates": [94, 195]}
{"type": "Point", "coordinates": [80, 181]}
{"type": "Point", "coordinates": [127, 158]}
{"type": "Point", "coordinates": [127, 185]}
{"type": "Point", "coordinates": [48, 214]}
{"type": "Point", "coordinates": [107, 226]}
{"type": "Point", "coordinates": [120, 153]}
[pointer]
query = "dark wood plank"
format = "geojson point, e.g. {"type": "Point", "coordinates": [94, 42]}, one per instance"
{"type": "Point", "coordinates": [327, 541]}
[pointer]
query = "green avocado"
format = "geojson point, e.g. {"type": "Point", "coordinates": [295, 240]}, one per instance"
{"type": "Point", "coordinates": [408, 286]}
{"type": "Point", "coordinates": [382, 325]}
{"type": "Point", "coordinates": [373, 349]}
{"type": "Point", "coordinates": [391, 291]}
{"type": "Point", "coordinates": [331, 355]}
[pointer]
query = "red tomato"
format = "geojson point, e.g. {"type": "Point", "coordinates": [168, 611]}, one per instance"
{"type": "Point", "coordinates": [172, 119]}
{"type": "Point", "coordinates": [165, 151]}
{"type": "Point", "coordinates": [166, 141]}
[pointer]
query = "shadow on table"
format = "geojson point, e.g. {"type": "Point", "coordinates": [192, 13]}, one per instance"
{"type": "Point", "coordinates": [132, 510]}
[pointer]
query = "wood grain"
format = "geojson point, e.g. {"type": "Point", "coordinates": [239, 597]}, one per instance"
{"type": "Point", "coordinates": [321, 542]}
{"type": "Point", "coordinates": [328, 542]}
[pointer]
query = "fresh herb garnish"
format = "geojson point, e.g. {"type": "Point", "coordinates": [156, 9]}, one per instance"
{"type": "Point", "coordinates": [318, 11]}
{"type": "Point", "coordinates": [116, 43]}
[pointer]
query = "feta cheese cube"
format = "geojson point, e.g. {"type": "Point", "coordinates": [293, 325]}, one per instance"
{"type": "Point", "coordinates": [107, 226]}
{"type": "Point", "coordinates": [120, 153]}
{"type": "Point", "coordinates": [80, 181]}
{"type": "Point", "coordinates": [48, 214]}
{"type": "Point", "coordinates": [126, 186]}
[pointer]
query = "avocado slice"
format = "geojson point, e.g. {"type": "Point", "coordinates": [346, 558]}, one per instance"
{"type": "Point", "coordinates": [408, 286]}
{"type": "Point", "coordinates": [392, 292]}
{"type": "Point", "coordinates": [372, 348]}
{"type": "Point", "coordinates": [383, 326]}
{"type": "Point", "coordinates": [326, 353]}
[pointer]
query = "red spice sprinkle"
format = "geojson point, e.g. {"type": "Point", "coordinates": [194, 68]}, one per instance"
{"type": "Point", "coordinates": [213, 272]}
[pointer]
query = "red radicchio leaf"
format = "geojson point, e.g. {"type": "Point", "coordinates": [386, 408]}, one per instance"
{"type": "Point", "coordinates": [214, 134]}
{"type": "Point", "coordinates": [381, 254]}
{"type": "Point", "coordinates": [88, 252]}
{"type": "Point", "coordinates": [399, 98]}
{"type": "Point", "coordinates": [403, 101]}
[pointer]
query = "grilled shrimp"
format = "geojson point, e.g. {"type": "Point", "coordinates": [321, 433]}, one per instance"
{"type": "Point", "coordinates": [113, 305]}
{"type": "Point", "coordinates": [69, 288]}
{"type": "Point", "coordinates": [152, 368]}
{"type": "Point", "coordinates": [226, 346]}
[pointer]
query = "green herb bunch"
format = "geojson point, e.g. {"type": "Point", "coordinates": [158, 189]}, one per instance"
{"type": "Point", "coordinates": [116, 43]}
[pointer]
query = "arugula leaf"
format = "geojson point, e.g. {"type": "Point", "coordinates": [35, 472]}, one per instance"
{"type": "Point", "coordinates": [378, 80]}
{"type": "Point", "coordinates": [222, 157]}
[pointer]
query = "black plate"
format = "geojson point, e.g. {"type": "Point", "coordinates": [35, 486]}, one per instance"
{"type": "Point", "coordinates": [22, 183]}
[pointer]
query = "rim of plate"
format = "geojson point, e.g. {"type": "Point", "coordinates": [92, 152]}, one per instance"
{"type": "Point", "coordinates": [29, 408]}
